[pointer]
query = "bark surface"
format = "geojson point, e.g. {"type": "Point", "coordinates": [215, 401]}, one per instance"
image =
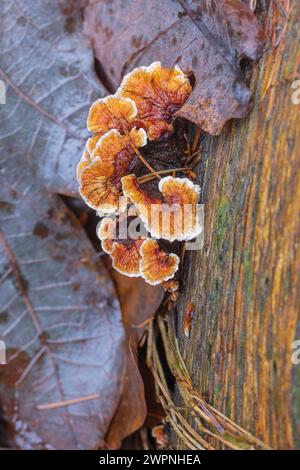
{"type": "Point", "coordinates": [245, 281]}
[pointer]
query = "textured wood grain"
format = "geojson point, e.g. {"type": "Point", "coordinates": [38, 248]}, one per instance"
{"type": "Point", "coordinates": [245, 282]}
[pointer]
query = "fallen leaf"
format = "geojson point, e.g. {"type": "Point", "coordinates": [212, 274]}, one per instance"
{"type": "Point", "coordinates": [60, 321]}
{"type": "Point", "coordinates": [139, 302]}
{"type": "Point", "coordinates": [132, 409]}
{"type": "Point", "coordinates": [207, 39]}
{"type": "Point", "coordinates": [48, 66]}
{"type": "Point", "coordinates": [67, 360]}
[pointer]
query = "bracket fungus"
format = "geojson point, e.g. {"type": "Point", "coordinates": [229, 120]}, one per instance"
{"type": "Point", "coordinates": [144, 107]}
{"type": "Point", "coordinates": [125, 253]}
{"type": "Point", "coordinates": [147, 98]}
{"type": "Point", "coordinates": [157, 265]}
{"type": "Point", "coordinates": [174, 216]}
{"type": "Point", "coordinates": [158, 93]}
{"type": "Point", "coordinates": [86, 158]}
{"type": "Point", "coordinates": [126, 257]}
{"type": "Point", "coordinates": [100, 178]}
{"type": "Point", "coordinates": [111, 112]}
{"type": "Point", "coordinates": [138, 257]}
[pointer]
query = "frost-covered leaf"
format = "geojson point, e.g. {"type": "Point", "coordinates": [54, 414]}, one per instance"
{"type": "Point", "coordinates": [62, 330]}
{"type": "Point", "coordinates": [47, 64]}
{"type": "Point", "coordinates": [207, 38]}
{"type": "Point", "coordinates": [60, 320]}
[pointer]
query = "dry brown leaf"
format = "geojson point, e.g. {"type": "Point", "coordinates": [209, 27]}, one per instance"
{"type": "Point", "coordinates": [60, 317]}
{"type": "Point", "coordinates": [60, 320]}
{"type": "Point", "coordinates": [139, 302]}
{"type": "Point", "coordinates": [206, 38]}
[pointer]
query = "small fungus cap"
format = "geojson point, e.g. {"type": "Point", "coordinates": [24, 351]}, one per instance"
{"type": "Point", "coordinates": [126, 257]}
{"type": "Point", "coordinates": [100, 178]}
{"type": "Point", "coordinates": [174, 216]}
{"type": "Point", "coordinates": [161, 436]}
{"type": "Point", "coordinates": [188, 318]}
{"type": "Point", "coordinates": [125, 254]}
{"type": "Point", "coordinates": [157, 265]}
{"type": "Point", "coordinates": [114, 147]}
{"type": "Point", "coordinates": [87, 153]}
{"type": "Point", "coordinates": [111, 112]}
{"type": "Point", "coordinates": [97, 187]}
{"type": "Point", "coordinates": [171, 286]}
{"type": "Point", "coordinates": [158, 93]}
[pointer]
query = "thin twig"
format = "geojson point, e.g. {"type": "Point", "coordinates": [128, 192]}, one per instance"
{"type": "Point", "coordinates": [142, 158]}
{"type": "Point", "coordinates": [196, 140]}
{"type": "Point", "coordinates": [150, 176]}
{"type": "Point", "coordinates": [73, 401]}
{"type": "Point", "coordinates": [138, 153]}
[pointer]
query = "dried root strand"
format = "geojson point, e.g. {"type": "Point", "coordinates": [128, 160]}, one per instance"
{"type": "Point", "coordinates": [210, 425]}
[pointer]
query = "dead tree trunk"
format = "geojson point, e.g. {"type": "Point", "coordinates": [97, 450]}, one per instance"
{"type": "Point", "coordinates": [245, 282]}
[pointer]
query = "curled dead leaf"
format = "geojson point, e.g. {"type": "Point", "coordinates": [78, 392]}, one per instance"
{"type": "Point", "coordinates": [206, 39]}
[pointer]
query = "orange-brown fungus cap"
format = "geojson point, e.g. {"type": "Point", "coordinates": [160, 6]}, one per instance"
{"type": "Point", "coordinates": [112, 112]}
{"type": "Point", "coordinates": [160, 435]}
{"type": "Point", "coordinates": [175, 216]}
{"type": "Point", "coordinates": [171, 286]}
{"type": "Point", "coordinates": [91, 143]}
{"type": "Point", "coordinates": [98, 187]}
{"type": "Point", "coordinates": [125, 254]}
{"type": "Point", "coordinates": [87, 153]}
{"type": "Point", "coordinates": [126, 257]}
{"type": "Point", "coordinates": [133, 190]}
{"type": "Point", "coordinates": [99, 181]}
{"type": "Point", "coordinates": [83, 162]}
{"type": "Point", "coordinates": [158, 93]}
{"type": "Point", "coordinates": [156, 265]}
{"type": "Point", "coordinates": [117, 149]}
{"type": "Point", "coordinates": [145, 204]}
{"type": "Point", "coordinates": [182, 195]}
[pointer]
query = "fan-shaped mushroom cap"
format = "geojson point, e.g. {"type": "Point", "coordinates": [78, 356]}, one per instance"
{"type": "Point", "coordinates": [171, 285]}
{"type": "Point", "coordinates": [111, 112]}
{"type": "Point", "coordinates": [153, 263]}
{"type": "Point", "coordinates": [125, 253]}
{"type": "Point", "coordinates": [83, 162]}
{"type": "Point", "coordinates": [173, 217]}
{"type": "Point", "coordinates": [99, 179]}
{"type": "Point", "coordinates": [87, 153]}
{"type": "Point", "coordinates": [116, 148]}
{"type": "Point", "coordinates": [92, 142]}
{"type": "Point", "coordinates": [157, 265]}
{"type": "Point", "coordinates": [98, 187]}
{"type": "Point", "coordinates": [158, 93]}
{"type": "Point", "coordinates": [126, 257]}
